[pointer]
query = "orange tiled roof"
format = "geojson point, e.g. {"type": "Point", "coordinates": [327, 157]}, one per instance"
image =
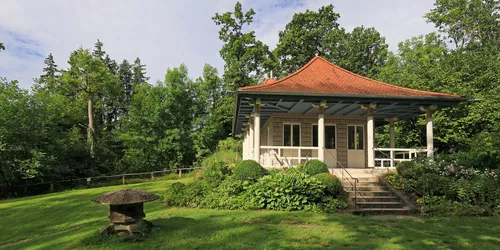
{"type": "Point", "coordinates": [320, 76]}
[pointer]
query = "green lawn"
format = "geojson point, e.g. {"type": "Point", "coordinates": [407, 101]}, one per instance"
{"type": "Point", "coordinates": [68, 219]}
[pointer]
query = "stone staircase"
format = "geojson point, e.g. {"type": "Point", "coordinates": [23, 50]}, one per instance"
{"type": "Point", "coordinates": [373, 196]}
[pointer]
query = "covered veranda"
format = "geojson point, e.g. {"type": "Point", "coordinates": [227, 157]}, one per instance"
{"type": "Point", "coordinates": [322, 91]}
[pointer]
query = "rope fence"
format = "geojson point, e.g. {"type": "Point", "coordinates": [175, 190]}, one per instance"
{"type": "Point", "coordinates": [92, 182]}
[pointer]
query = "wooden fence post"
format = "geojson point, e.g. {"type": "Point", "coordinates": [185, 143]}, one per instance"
{"type": "Point", "coordinates": [152, 176]}
{"type": "Point", "coordinates": [123, 179]}
{"type": "Point", "coordinates": [180, 173]}
{"type": "Point", "coordinates": [52, 187]}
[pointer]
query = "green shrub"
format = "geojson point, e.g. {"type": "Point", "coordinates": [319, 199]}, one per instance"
{"type": "Point", "coordinates": [314, 167]}
{"type": "Point", "coordinates": [226, 195]}
{"type": "Point", "coordinates": [287, 191]}
{"type": "Point", "coordinates": [442, 206]}
{"type": "Point", "coordinates": [214, 173]}
{"type": "Point", "coordinates": [194, 193]}
{"type": "Point", "coordinates": [395, 180]}
{"type": "Point", "coordinates": [431, 184]}
{"type": "Point", "coordinates": [416, 167]}
{"type": "Point", "coordinates": [249, 170]}
{"type": "Point", "coordinates": [333, 186]}
{"type": "Point", "coordinates": [230, 158]}
{"type": "Point", "coordinates": [331, 205]}
{"type": "Point", "coordinates": [230, 144]}
{"type": "Point", "coordinates": [176, 195]}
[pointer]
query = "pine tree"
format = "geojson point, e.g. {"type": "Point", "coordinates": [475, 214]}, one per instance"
{"type": "Point", "coordinates": [98, 51]}
{"type": "Point", "coordinates": [127, 83]}
{"type": "Point", "coordinates": [50, 77]}
{"type": "Point", "coordinates": [139, 72]}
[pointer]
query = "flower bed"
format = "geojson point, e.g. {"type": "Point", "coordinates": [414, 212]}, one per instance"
{"type": "Point", "coordinates": [445, 188]}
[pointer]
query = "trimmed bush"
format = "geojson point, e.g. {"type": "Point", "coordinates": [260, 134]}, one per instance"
{"type": "Point", "coordinates": [249, 170]}
{"type": "Point", "coordinates": [333, 186]}
{"type": "Point", "coordinates": [314, 167]}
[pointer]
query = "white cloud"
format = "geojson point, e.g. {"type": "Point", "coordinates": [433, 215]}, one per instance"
{"type": "Point", "coordinates": [166, 33]}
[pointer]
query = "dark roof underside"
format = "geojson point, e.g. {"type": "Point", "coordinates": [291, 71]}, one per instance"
{"type": "Point", "coordinates": [302, 103]}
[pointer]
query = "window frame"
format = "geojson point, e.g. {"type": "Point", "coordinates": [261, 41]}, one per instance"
{"type": "Point", "coordinates": [324, 139]}
{"type": "Point", "coordinates": [356, 143]}
{"type": "Point", "coordinates": [291, 133]}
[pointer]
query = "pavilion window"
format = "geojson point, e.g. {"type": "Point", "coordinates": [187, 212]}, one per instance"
{"type": "Point", "coordinates": [329, 136]}
{"type": "Point", "coordinates": [291, 135]}
{"type": "Point", "coordinates": [355, 137]}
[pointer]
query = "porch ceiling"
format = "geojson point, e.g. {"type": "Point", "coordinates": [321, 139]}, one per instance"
{"type": "Point", "coordinates": [387, 107]}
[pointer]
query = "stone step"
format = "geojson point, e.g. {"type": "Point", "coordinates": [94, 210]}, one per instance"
{"type": "Point", "coordinates": [367, 183]}
{"type": "Point", "coordinates": [377, 198]}
{"type": "Point", "coordinates": [373, 211]}
{"type": "Point", "coordinates": [364, 204]}
{"type": "Point", "coordinates": [364, 176]}
{"type": "Point", "coordinates": [369, 193]}
{"type": "Point", "coordinates": [369, 179]}
{"type": "Point", "coordinates": [371, 188]}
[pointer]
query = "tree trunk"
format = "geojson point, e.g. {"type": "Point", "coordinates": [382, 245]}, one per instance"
{"type": "Point", "coordinates": [90, 129]}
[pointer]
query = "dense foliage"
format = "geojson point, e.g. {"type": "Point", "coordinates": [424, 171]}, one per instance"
{"type": "Point", "coordinates": [468, 67]}
{"type": "Point", "coordinates": [333, 186]}
{"type": "Point", "coordinates": [99, 116]}
{"type": "Point", "coordinates": [444, 187]}
{"type": "Point", "coordinates": [314, 167]}
{"type": "Point", "coordinates": [288, 189]}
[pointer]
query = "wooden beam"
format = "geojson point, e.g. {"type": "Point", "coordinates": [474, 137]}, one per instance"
{"type": "Point", "coordinates": [335, 105]}
{"type": "Point", "coordinates": [346, 105]}
{"type": "Point", "coordinates": [354, 108]}
{"type": "Point", "coordinates": [309, 110]}
{"type": "Point", "coordinates": [296, 104]}
{"type": "Point", "coordinates": [384, 108]}
{"type": "Point", "coordinates": [350, 111]}
{"type": "Point", "coordinates": [278, 107]}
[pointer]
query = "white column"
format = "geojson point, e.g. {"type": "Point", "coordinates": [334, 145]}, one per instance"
{"type": "Point", "coordinates": [321, 133]}
{"type": "Point", "coordinates": [430, 134]}
{"type": "Point", "coordinates": [392, 142]}
{"type": "Point", "coordinates": [370, 130]}
{"type": "Point", "coordinates": [250, 140]}
{"type": "Point", "coordinates": [256, 124]}
{"type": "Point", "coordinates": [245, 142]}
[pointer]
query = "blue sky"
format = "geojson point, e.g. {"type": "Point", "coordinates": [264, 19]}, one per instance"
{"type": "Point", "coordinates": [166, 33]}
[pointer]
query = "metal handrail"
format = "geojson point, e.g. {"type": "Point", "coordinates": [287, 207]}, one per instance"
{"type": "Point", "coordinates": [356, 180]}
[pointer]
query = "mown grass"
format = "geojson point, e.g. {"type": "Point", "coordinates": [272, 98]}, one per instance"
{"type": "Point", "coordinates": [68, 220]}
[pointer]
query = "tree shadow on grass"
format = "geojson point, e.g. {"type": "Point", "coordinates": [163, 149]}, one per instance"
{"type": "Point", "coordinates": [180, 228]}
{"type": "Point", "coordinates": [415, 232]}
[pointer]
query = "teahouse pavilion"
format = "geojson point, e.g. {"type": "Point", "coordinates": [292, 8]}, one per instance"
{"type": "Point", "coordinates": [325, 112]}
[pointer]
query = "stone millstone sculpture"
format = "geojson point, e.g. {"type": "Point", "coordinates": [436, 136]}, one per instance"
{"type": "Point", "coordinates": [126, 211]}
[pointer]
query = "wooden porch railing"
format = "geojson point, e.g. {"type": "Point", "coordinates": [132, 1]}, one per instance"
{"type": "Point", "coordinates": [274, 156]}
{"type": "Point", "coordinates": [390, 157]}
